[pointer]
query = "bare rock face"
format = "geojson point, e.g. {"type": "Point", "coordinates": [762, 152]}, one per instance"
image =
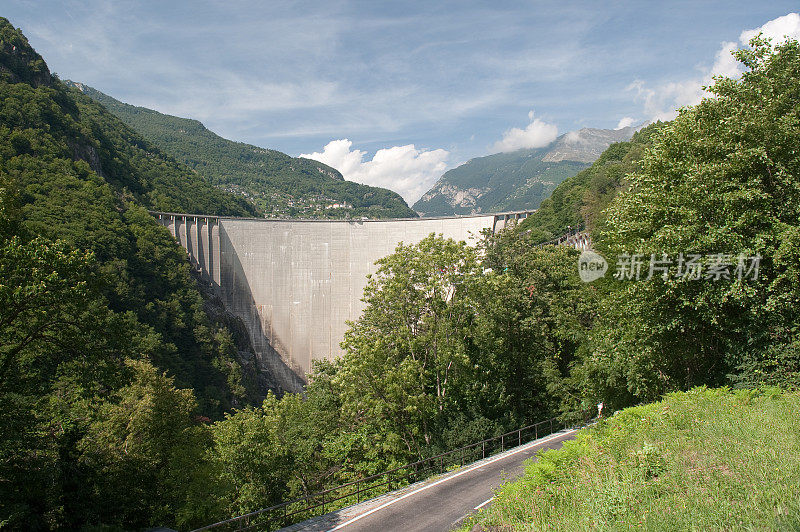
{"type": "Point", "coordinates": [518, 180]}
{"type": "Point", "coordinates": [586, 145]}
{"type": "Point", "coordinates": [456, 197]}
{"type": "Point", "coordinates": [85, 152]}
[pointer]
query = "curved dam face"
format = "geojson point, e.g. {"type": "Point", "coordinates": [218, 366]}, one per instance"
{"type": "Point", "coordinates": [296, 283]}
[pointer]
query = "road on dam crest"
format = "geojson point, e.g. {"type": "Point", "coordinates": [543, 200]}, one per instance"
{"type": "Point", "coordinates": [442, 503]}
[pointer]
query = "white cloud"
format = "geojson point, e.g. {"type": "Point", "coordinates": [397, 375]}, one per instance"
{"type": "Point", "coordinates": [776, 29]}
{"type": "Point", "coordinates": [625, 121]}
{"type": "Point", "coordinates": [405, 169]}
{"type": "Point", "coordinates": [724, 63]}
{"type": "Point", "coordinates": [661, 102]}
{"type": "Point", "coordinates": [536, 135]}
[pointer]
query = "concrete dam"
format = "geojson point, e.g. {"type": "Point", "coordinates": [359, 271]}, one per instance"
{"type": "Point", "coordinates": [296, 283]}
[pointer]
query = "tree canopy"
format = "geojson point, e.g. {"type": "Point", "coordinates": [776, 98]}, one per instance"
{"type": "Point", "coordinates": [720, 180]}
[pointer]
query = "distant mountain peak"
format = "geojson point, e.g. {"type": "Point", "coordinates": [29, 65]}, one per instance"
{"type": "Point", "coordinates": [519, 179]}
{"type": "Point", "coordinates": [585, 145]}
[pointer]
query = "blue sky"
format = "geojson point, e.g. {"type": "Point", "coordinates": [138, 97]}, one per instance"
{"type": "Point", "coordinates": [393, 94]}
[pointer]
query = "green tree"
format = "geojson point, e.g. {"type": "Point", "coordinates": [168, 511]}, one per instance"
{"type": "Point", "coordinates": [44, 295]}
{"type": "Point", "coordinates": [61, 345]}
{"type": "Point", "coordinates": [720, 179]}
{"type": "Point", "coordinates": [534, 327]}
{"type": "Point", "coordinates": [287, 448]}
{"type": "Point", "coordinates": [251, 460]}
{"type": "Point", "coordinates": [145, 446]}
{"type": "Point", "coordinates": [406, 354]}
{"type": "Point", "coordinates": [87, 280]}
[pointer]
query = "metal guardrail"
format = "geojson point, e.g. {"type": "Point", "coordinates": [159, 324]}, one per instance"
{"type": "Point", "coordinates": [571, 232]}
{"type": "Point", "coordinates": [354, 492]}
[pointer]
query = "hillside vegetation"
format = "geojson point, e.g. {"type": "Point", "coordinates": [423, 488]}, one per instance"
{"type": "Point", "coordinates": [497, 183]}
{"type": "Point", "coordinates": [278, 185]}
{"type": "Point", "coordinates": [579, 201]}
{"type": "Point", "coordinates": [126, 406]}
{"type": "Point", "coordinates": [517, 180]}
{"type": "Point", "coordinates": [707, 459]}
{"type": "Point", "coordinates": [97, 301]}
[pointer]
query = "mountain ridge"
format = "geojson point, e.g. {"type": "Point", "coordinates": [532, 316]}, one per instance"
{"type": "Point", "coordinates": [279, 185]}
{"type": "Point", "coordinates": [587, 144]}
{"type": "Point", "coordinates": [517, 180]}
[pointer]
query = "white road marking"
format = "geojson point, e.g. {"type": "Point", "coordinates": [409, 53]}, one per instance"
{"type": "Point", "coordinates": [484, 503]}
{"type": "Point", "coordinates": [384, 505]}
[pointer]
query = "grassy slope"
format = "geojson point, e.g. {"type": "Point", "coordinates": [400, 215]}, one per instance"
{"type": "Point", "coordinates": [703, 460]}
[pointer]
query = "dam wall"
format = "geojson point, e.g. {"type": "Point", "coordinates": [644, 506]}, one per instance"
{"type": "Point", "coordinates": [296, 283]}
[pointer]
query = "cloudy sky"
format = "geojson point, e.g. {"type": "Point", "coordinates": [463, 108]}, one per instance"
{"type": "Point", "coordinates": [394, 94]}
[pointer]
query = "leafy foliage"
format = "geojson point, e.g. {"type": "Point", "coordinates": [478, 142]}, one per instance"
{"type": "Point", "coordinates": [581, 199]}
{"type": "Point", "coordinates": [144, 447]}
{"type": "Point", "coordinates": [721, 179]}
{"type": "Point", "coordinates": [542, 314]}
{"type": "Point", "coordinates": [20, 62]}
{"type": "Point", "coordinates": [79, 175]}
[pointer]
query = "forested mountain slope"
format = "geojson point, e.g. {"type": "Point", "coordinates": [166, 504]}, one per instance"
{"type": "Point", "coordinates": [100, 313]}
{"type": "Point", "coordinates": [279, 185]}
{"type": "Point", "coordinates": [516, 180]}
{"type": "Point", "coordinates": [78, 174]}
{"type": "Point", "coordinates": [580, 199]}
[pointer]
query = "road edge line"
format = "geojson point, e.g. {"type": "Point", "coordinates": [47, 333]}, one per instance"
{"type": "Point", "coordinates": [440, 481]}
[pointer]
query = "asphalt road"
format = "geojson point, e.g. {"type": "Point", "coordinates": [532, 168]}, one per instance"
{"type": "Point", "coordinates": [443, 504]}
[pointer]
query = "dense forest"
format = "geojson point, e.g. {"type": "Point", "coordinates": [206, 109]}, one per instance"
{"type": "Point", "coordinates": [278, 185]}
{"type": "Point", "coordinates": [96, 302]}
{"type": "Point", "coordinates": [127, 406]}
